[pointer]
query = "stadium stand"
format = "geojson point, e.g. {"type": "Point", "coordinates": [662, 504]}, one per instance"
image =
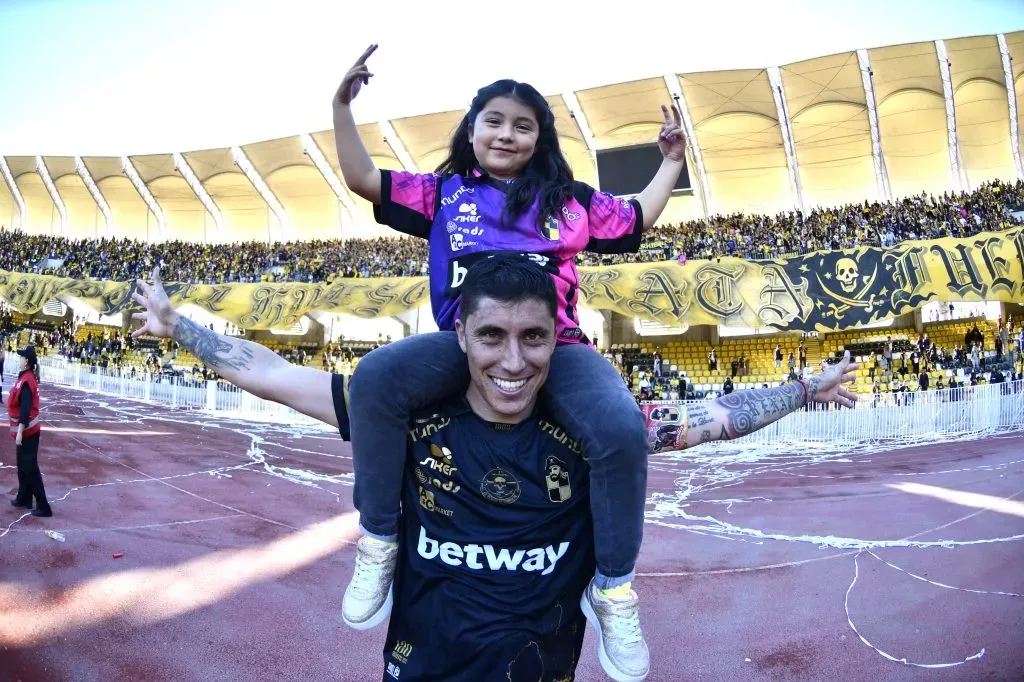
{"type": "Point", "coordinates": [739, 235]}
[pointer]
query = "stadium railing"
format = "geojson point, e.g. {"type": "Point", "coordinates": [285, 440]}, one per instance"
{"type": "Point", "coordinates": [211, 396]}
{"type": "Point", "coordinates": [908, 418]}
{"type": "Point", "coordinates": [965, 412]}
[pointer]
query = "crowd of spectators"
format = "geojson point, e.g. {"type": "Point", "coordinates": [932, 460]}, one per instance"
{"type": "Point", "coordinates": [747, 236]}
{"type": "Point", "coordinates": [842, 227]}
{"type": "Point", "coordinates": [124, 260]}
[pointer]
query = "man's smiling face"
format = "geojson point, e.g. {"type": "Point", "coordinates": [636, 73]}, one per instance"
{"type": "Point", "coordinates": [508, 346]}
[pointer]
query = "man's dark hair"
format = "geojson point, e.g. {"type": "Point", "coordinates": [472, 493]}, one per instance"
{"type": "Point", "coordinates": [508, 278]}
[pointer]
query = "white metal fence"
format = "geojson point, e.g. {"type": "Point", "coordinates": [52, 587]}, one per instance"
{"type": "Point", "coordinates": [904, 418]}
{"type": "Point", "coordinates": [212, 396]}
{"type": "Point", "coordinates": [918, 417]}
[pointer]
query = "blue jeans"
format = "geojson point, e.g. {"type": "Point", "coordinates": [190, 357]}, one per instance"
{"type": "Point", "coordinates": [584, 394]}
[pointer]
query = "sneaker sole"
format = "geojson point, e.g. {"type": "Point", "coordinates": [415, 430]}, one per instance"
{"type": "Point", "coordinates": [374, 620]}
{"type": "Point", "coordinates": [602, 655]}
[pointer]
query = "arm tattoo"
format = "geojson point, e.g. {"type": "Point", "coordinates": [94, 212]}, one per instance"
{"type": "Point", "coordinates": [749, 411]}
{"type": "Point", "coordinates": [210, 347]}
{"type": "Point", "coordinates": [698, 416]}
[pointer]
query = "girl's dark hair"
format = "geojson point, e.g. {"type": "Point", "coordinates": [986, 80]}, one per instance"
{"type": "Point", "coordinates": [546, 175]}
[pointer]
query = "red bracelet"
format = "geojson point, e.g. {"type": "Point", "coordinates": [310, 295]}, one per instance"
{"type": "Point", "coordinates": [804, 386]}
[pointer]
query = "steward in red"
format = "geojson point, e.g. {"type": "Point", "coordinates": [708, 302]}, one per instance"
{"type": "Point", "coordinates": [23, 412]}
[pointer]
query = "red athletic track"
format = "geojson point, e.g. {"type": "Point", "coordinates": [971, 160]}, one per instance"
{"type": "Point", "coordinates": [234, 570]}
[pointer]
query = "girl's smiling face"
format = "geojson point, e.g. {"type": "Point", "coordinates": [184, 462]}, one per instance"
{"type": "Point", "coordinates": [504, 137]}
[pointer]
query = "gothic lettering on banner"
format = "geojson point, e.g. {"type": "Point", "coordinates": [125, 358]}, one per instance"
{"type": "Point", "coordinates": [821, 291]}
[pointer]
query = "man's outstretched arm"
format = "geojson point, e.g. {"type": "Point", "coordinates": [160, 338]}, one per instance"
{"type": "Point", "coordinates": [250, 366]}
{"type": "Point", "coordinates": [742, 412]}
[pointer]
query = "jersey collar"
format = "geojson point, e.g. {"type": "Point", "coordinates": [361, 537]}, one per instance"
{"type": "Point", "coordinates": [480, 174]}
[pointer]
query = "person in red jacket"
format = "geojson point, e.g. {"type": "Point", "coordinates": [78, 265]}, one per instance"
{"type": "Point", "coordinates": [23, 410]}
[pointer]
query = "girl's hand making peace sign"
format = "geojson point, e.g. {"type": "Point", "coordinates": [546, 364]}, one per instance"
{"type": "Point", "coordinates": [671, 139]}
{"type": "Point", "coordinates": [358, 76]}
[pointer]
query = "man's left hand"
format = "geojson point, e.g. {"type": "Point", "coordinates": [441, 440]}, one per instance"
{"type": "Point", "coordinates": [830, 386]}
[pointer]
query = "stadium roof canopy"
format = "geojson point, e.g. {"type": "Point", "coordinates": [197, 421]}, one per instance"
{"type": "Point", "coordinates": [870, 124]}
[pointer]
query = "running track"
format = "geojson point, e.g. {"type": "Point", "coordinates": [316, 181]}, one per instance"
{"type": "Point", "coordinates": [236, 548]}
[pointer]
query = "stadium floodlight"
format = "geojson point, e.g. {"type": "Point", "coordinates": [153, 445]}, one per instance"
{"type": "Point", "coordinates": [181, 165]}
{"type": "Point", "coordinates": [310, 149]}
{"type": "Point", "coordinates": [15, 192]}
{"type": "Point", "coordinates": [44, 173]}
{"type": "Point", "coordinates": [1011, 97]}
{"type": "Point", "coordinates": [242, 161]}
{"type": "Point", "coordinates": [867, 79]}
{"type": "Point", "coordinates": [672, 82]}
{"type": "Point", "coordinates": [782, 109]}
{"type": "Point", "coordinates": [395, 142]}
{"type": "Point", "coordinates": [86, 176]}
{"type": "Point", "coordinates": [576, 111]}
{"type": "Point", "coordinates": [128, 168]}
{"type": "Point", "coordinates": [951, 134]}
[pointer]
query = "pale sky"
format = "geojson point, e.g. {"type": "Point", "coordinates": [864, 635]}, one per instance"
{"type": "Point", "coordinates": [109, 77]}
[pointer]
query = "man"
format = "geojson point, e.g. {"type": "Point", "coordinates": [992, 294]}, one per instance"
{"type": "Point", "coordinates": [23, 412]}
{"type": "Point", "coordinates": [496, 546]}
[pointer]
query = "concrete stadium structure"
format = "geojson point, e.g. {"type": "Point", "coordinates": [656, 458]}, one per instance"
{"type": "Point", "coordinates": [871, 124]}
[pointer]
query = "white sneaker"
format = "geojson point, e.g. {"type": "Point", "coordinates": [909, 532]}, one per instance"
{"type": "Point", "coordinates": [367, 601]}
{"type": "Point", "coordinates": [620, 643]}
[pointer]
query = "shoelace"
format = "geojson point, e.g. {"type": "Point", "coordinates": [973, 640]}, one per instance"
{"type": "Point", "coordinates": [625, 627]}
{"type": "Point", "coordinates": [366, 574]}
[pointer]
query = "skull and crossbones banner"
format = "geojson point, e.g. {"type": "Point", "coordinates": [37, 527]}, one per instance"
{"type": "Point", "coordinates": [821, 291]}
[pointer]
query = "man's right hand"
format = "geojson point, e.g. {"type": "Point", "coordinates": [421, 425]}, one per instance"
{"type": "Point", "coordinates": [158, 318]}
{"type": "Point", "coordinates": [246, 364]}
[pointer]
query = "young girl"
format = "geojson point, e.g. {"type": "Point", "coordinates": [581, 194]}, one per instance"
{"type": "Point", "coordinates": [505, 186]}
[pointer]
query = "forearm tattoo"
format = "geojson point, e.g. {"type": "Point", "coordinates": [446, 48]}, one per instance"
{"type": "Point", "coordinates": [211, 348]}
{"type": "Point", "coordinates": [748, 411]}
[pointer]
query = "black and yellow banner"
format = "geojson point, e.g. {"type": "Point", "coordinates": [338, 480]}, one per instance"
{"type": "Point", "coordinates": [249, 306]}
{"type": "Point", "coordinates": [822, 291]}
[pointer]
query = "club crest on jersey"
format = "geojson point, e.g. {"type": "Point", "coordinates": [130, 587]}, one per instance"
{"type": "Point", "coordinates": [556, 476]}
{"type": "Point", "coordinates": [550, 229]}
{"type": "Point", "coordinates": [500, 486]}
